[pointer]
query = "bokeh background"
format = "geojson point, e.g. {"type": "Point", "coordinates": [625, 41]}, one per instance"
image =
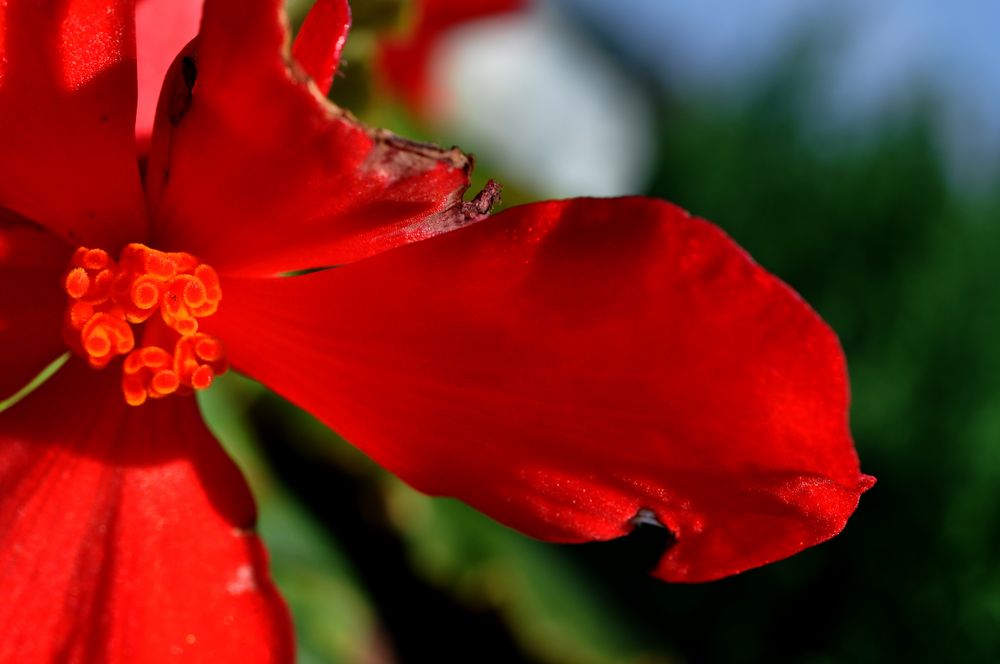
{"type": "Point", "coordinates": [852, 147]}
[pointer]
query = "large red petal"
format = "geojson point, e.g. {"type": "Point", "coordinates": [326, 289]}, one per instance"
{"type": "Point", "coordinates": [163, 28]}
{"type": "Point", "coordinates": [32, 301]}
{"type": "Point", "coordinates": [403, 61]}
{"type": "Point", "coordinates": [67, 115]}
{"type": "Point", "coordinates": [566, 365]}
{"type": "Point", "coordinates": [321, 40]}
{"type": "Point", "coordinates": [253, 170]}
{"type": "Point", "coordinates": [127, 534]}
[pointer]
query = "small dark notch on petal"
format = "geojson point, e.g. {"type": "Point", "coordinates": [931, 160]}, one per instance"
{"type": "Point", "coordinates": [483, 202]}
{"type": "Point", "coordinates": [189, 70]}
{"type": "Point", "coordinates": [646, 517]}
{"type": "Point", "coordinates": [648, 541]}
{"type": "Point", "coordinates": [639, 551]}
{"type": "Point", "coordinates": [180, 101]}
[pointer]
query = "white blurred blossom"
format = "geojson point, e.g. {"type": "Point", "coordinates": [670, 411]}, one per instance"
{"type": "Point", "coordinates": [542, 104]}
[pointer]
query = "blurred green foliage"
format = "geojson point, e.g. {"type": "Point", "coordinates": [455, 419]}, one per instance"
{"type": "Point", "coordinates": [905, 269]}
{"type": "Point", "coordinates": [333, 619]}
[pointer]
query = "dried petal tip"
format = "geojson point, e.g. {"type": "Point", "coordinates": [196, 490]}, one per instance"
{"type": "Point", "coordinates": [106, 298]}
{"type": "Point", "coordinates": [484, 201]}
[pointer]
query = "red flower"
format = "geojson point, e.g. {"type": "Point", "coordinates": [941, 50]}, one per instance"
{"type": "Point", "coordinates": [563, 366]}
{"type": "Point", "coordinates": [403, 60]}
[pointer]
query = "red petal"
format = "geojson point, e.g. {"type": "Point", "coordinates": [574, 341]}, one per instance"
{"type": "Point", "coordinates": [254, 171]}
{"type": "Point", "coordinates": [163, 28]}
{"type": "Point", "coordinates": [403, 62]}
{"type": "Point", "coordinates": [126, 534]}
{"type": "Point", "coordinates": [67, 115]}
{"type": "Point", "coordinates": [565, 365]}
{"type": "Point", "coordinates": [321, 40]}
{"type": "Point", "coordinates": [32, 301]}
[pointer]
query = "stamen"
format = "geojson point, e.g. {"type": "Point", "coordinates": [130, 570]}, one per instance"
{"type": "Point", "coordinates": [164, 382]}
{"type": "Point", "coordinates": [78, 314]}
{"type": "Point", "coordinates": [151, 372]}
{"type": "Point", "coordinates": [145, 293]}
{"type": "Point", "coordinates": [140, 370]}
{"type": "Point", "coordinates": [106, 298]}
{"type": "Point", "coordinates": [198, 359]}
{"type": "Point", "coordinates": [77, 283]}
{"type": "Point", "coordinates": [93, 259]}
{"type": "Point", "coordinates": [103, 337]}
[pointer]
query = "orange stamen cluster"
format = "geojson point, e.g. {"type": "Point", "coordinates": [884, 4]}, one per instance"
{"type": "Point", "coordinates": [108, 298]}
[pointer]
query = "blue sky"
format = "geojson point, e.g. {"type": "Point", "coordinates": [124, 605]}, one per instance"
{"type": "Point", "coordinates": [881, 55]}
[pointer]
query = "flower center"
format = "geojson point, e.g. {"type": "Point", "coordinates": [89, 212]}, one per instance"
{"type": "Point", "coordinates": [109, 303]}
